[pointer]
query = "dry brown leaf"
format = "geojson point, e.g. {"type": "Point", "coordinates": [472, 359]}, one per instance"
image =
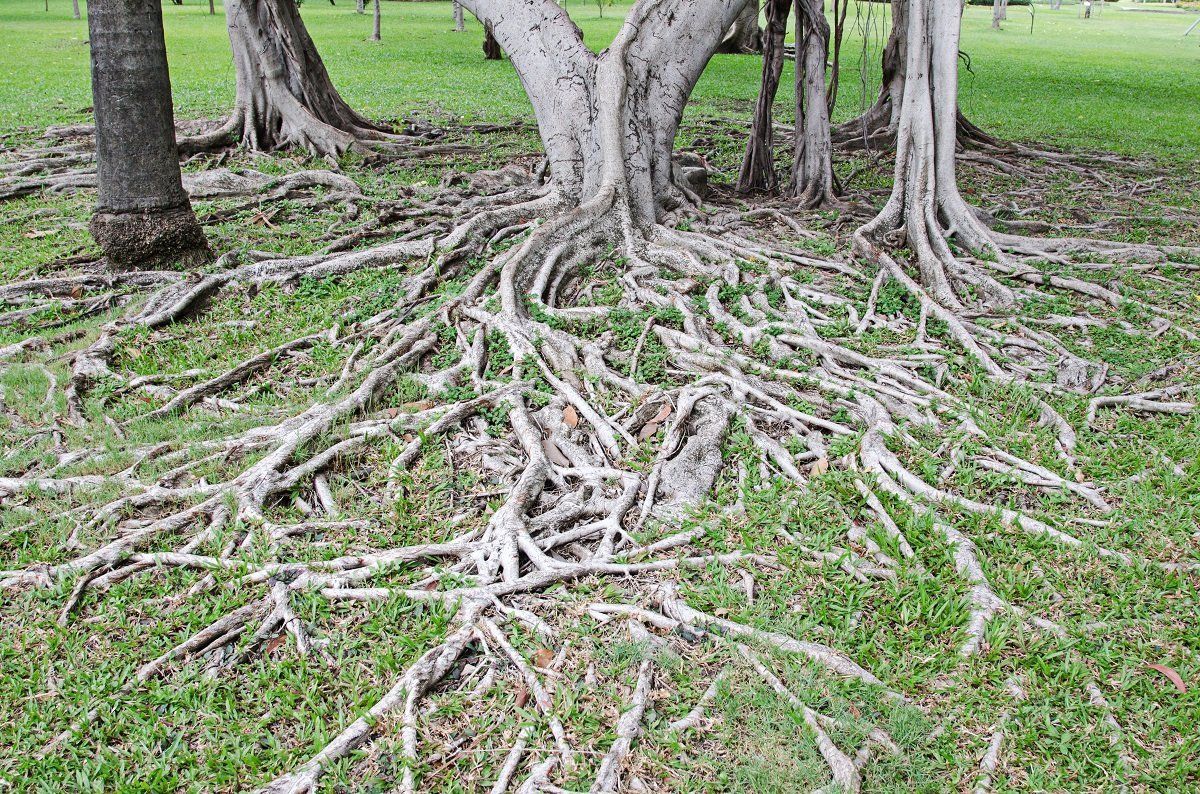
{"type": "Point", "coordinates": [543, 658]}
{"type": "Point", "coordinates": [1171, 675]}
{"type": "Point", "coordinates": [663, 413]}
{"type": "Point", "coordinates": [522, 696]}
{"type": "Point", "coordinates": [419, 405]}
{"type": "Point", "coordinates": [648, 429]}
{"type": "Point", "coordinates": [36, 233]}
{"type": "Point", "coordinates": [554, 453]}
{"type": "Point", "coordinates": [570, 418]}
{"type": "Point", "coordinates": [819, 466]}
{"type": "Point", "coordinates": [275, 642]}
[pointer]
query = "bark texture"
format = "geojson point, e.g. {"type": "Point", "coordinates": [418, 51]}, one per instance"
{"type": "Point", "coordinates": [745, 35]}
{"type": "Point", "coordinates": [143, 217]}
{"type": "Point", "coordinates": [284, 94]}
{"type": "Point", "coordinates": [812, 169]}
{"type": "Point", "coordinates": [758, 166]}
{"type": "Point", "coordinates": [925, 206]}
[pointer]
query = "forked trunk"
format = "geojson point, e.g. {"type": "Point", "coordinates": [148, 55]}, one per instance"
{"type": "Point", "coordinates": [925, 204]}
{"type": "Point", "coordinates": [143, 217]}
{"type": "Point", "coordinates": [284, 94]}
{"type": "Point", "coordinates": [608, 121]}
{"type": "Point", "coordinates": [999, 12]}
{"type": "Point", "coordinates": [812, 170]}
{"type": "Point", "coordinates": [758, 165]}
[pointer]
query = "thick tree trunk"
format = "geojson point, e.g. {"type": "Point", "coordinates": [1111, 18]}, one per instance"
{"type": "Point", "coordinates": [284, 94]}
{"type": "Point", "coordinates": [375, 27]}
{"type": "Point", "coordinates": [812, 170]}
{"type": "Point", "coordinates": [608, 121]}
{"type": "Point", "coordinates": [143, 217]}
{"type": "Point", "coordinates": [758, 165]}
{"type": "Point", "coordinates": [925, 205]}
{"type": "Point", "coordinates": [745, 35]}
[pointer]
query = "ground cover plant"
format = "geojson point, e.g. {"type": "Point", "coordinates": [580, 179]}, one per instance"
{"type": "Point", "coordinates": [448, 476]}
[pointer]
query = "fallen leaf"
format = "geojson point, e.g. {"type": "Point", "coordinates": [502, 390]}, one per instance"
{"type": "Point", "coordinates": [663, 413]}
{"type": "Point", "coordinates": [36, 233]}
{"type": "Point", "coordinates": [720, 612]}
{"type": "Point", "coordinates": [1171, 675]}
{"type": "Point", "coordinates": [543, 658]}
{"type": "Point", "coordinates": [522, 696]}
{"type": "Point", "coordinates": [648, 429]}
{"type": "Point", "coordinates": [274, 644]}
{"type": "Point", "coordinates": [570, 418]}
{"type": "Point", "coordinates": [819, 467]}
{"type": "Point", "coordinates": [419, 405]}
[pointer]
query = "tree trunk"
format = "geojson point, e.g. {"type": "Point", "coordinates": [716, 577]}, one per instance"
{"type": "Point", "coordinates": [284, 94]}
{"type": "Point", "coordinates": [744, 35]}
{"type": "Point", "coordinates": [877, 126]}
{"type": "Point", "coordinates": [812, 169]}
{"type": "Point", "coordinates": [491, 47]}
{"type": "Point", "coordinates": [999, 13]}
{"type": "Point", "coordinates": [361, 6]}
{"type": "Point", "coordinates": [375, 26]}
{"type": "Point", "coordinates": [925, 205]}
{"type": "Point", "coordinates": [143, 217]}
{"type": "Point", "coordinates": [459, 22]}
{"type": "Point", "coordinates": [835, 71]}
{"type": "Point", "coordinates": [608, 121]}
{"type": "Point", "coordinates": [75, 8]}
{"type": "Point", "coordinates": [758, 165]}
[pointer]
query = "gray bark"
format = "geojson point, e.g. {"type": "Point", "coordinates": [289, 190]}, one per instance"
{"type": "Point", "coordinates": [143, 217]}
{"type": "Point", "coordinates": [999, 12]}
{"type": "Point", "coordinates": [361, 7]}
{"type": "Point", "coordinates": [284, 94]}
{"type": "Point", "coordinates": [459, 22]}
{"type": "Point", "coordinates": [812, 169]}
{"type": "Point", "coordinates": [925, 203]}
{"type": "Point", "coordinates": [758, 165]}
{"type": "Point", "coordinates": [744, 35]}
{"type": "Point", "coordinates": [375, 25]}
{"type": "Point", "coordinates": [608, 121]}
{"type": "Point", "coordinates": [75, 8]}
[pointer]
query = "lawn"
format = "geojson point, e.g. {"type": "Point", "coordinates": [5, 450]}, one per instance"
{"type": "Point", "coordinates": [1126, 81]}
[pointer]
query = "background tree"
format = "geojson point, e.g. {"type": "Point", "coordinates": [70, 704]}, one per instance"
{"type": "Point", "coordinates": [758, 164]}
{"type": "Point", "coordinates": [812, 169]}
{"type": "Point", "coordinates": [375, 25]}
{"type": "Point", "coordinates": [143, 216]}
{"type": "Point", "coordinates": [284, 94]}
{"type": "Point", "coordinates": [744, 35]}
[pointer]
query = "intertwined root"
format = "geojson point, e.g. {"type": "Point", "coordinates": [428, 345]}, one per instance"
{"type": "Point", "coordinates": [535, 385]}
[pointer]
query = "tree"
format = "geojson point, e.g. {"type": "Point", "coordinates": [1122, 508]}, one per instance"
{"type": "Point", "coordinates": [744, 35]}
{"type": "Point", "coordinates": [75, 9]}
{"type": "Point", "coordinates": [925, 200]}
{"type": "Point", "coordinates": [284, 94]}
{"type": "Point", "coordinates": [999, 13]}
{"type": "Point", "coordinates": [143, 216]}
{"type": "Point", "coordinates": [758, 164]}
{"type": "Point", "coordinates": [375, 22]}
{"type": "Point", "coordinates": [459, 24]}
{"type": "Point", "coordinates": [812, 170]}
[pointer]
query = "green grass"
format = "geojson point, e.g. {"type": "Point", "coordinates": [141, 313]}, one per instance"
{"type": "Point", "coordinates": [1125, 81]}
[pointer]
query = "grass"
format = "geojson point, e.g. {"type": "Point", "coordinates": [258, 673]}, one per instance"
{"type": "Point", "coordinates": [1125, 81]}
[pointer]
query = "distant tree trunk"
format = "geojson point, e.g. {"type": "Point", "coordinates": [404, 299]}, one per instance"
{"type": "Point", "coordinates": [212, 7]}
{"type": "Point", "coordinates": [758, 166]}
{"type": "Point", "coordinates": [459, 24]}
{"type": "Point", "coordinates": [999, 12]}
{"type": "Point", "coordinates": [1055, 5]}
{"type": "Point", "coordinates": [284, 94]}
{"type": "Point", "coordinates": [143, 217]}
{"type": "Point", "coordinates": [1087, 9]}
{"type": "Point", "coordinates": [75, 8]}
{"type": "Point", "coordinates": [491, 47]}
{"type": "Point", "coordinates": [835, 71]}
{"type": "Point", "coordinates": [812, 170]}
{"type": "Point", "coordinates": [361, 7]}
{"type": "Point", "coordinates": [375, 27]}
{"type": "Point", "coordinates": [744, 34]}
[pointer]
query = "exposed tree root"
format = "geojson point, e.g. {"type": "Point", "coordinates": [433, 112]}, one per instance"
{"type": "Point", "coordinates": [530, 383]}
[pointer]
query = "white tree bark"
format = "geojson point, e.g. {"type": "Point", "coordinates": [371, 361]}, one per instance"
{"type": "Point", "coordinates": [925, 202]}
{"type": "Point", "coordinates": [608, 120]}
